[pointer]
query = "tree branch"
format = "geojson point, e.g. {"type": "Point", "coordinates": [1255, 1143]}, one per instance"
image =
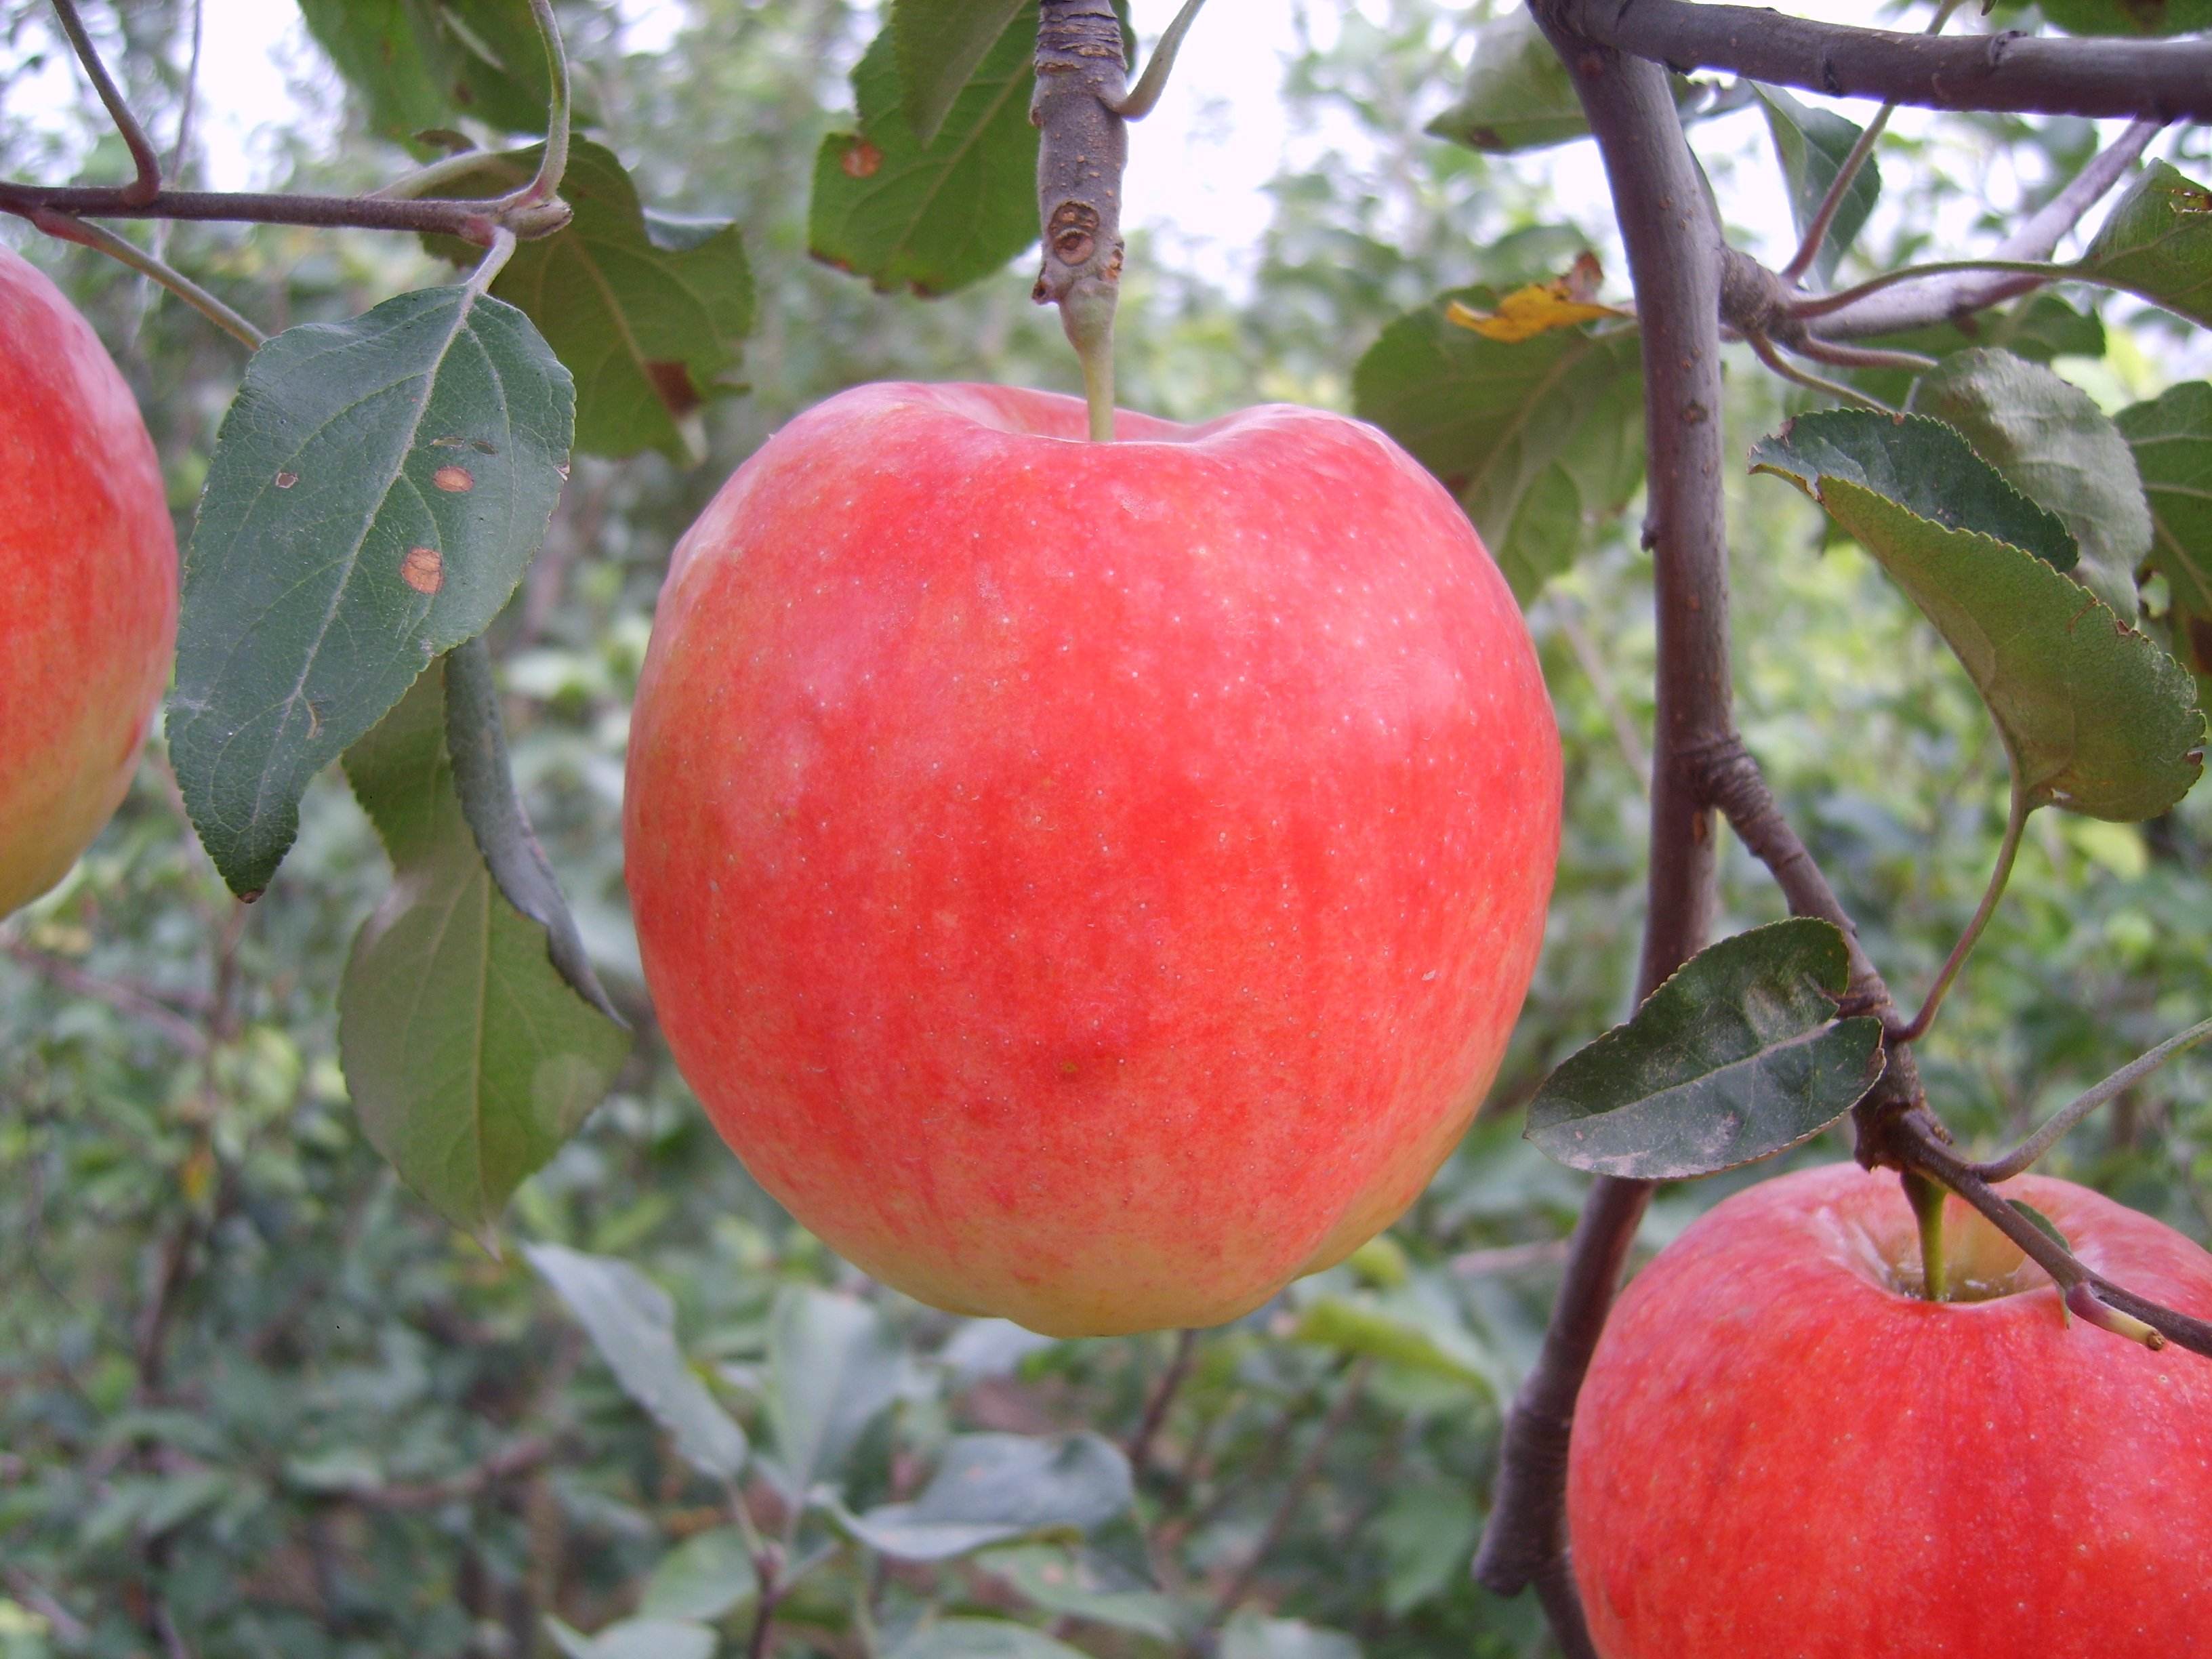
{"type": "Point", "coordinates": [1080, 75]}
{"type": "Point", "coordinates": [143, 158]}
{"type": "Point", "coordinates": [1673, 245]}
{"type": "Point", "coordinates": [2164, 80]}
{"type": "Point", "coordinates": [473, 222]}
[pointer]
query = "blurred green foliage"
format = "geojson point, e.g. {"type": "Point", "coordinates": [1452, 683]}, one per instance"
{"type": "Point", "coordinates": [254, 1400]}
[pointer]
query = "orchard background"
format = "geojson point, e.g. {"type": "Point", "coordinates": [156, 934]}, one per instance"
{"type": "Point", "coordinates": [256, 1397]}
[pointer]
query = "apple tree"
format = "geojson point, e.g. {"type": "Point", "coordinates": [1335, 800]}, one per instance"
{"type": "Point", "coordinates": [450, 401]}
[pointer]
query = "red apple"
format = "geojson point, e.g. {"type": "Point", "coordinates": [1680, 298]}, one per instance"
{"type": "Point", "coordinates": [1783, 1452]}
{"type": "Point", "coordinates": [88, 584]}
{"type": "Point", "coordinates": [1088, 883]}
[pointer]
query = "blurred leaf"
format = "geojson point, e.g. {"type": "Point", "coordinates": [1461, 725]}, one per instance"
{"type": "Point", "coordinates": [2128, 16]}
{"type": "Point", "coordinates": [636, 1639]}
{"type": "Point", "coordinates": [469, 1058]}
{"type": "Point", "coordinates": [1542, 441]}
{"type": "Point", "coordinates": [2051, 440]}
{"type": "Point", "coordinates": [703, 1577]}
{"type": "Point", "coordinates": [420, 63]}
{"type": "Point", "coordinates": [931, 216]}
{"type": "Point", "coordinates": [1518, 95]}
{"type": "Point", "coordinates": [2096, 718]}
{"type": "Point", "coordinates": [2171, 437]}
{"type": "Point", "coordinates": [2040, 327]}
{"type": "Point", "coordinates": [1811, 145]}
{"type": "Point", "coordinates": [647, 312]}
{"type": "Point", "coordinates": [833, 1365]}
{"type": "Point", "coordinates": [1249, 1636]}
{"type": "Point", "coordinates": [990, 1488]}
{"type": "Point", "coordinates": [1739, 1055]}
{"type": "Point", "coordinates": [1074, 1584]}
{"type": "Point", "coordinates": [632, 1323]}
{"type": "Point", "coordinates": [1428, 1532]}
{"type": "Point", "coordinates": [375, 493]}
{"type": "Point", "coordinates": [2158, 240]}
{"type": "Point", "coordinates": [1401, 1330]}
{"type": "Point", "coordinates": [988, 1347]}
{"type": "Point", "coordinates": [940, 45]}
{"type": "Point", "coordinates": [981, 1638]}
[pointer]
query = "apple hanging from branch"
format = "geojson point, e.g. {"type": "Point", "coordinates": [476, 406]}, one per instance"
{"type": "Point", "coordinates": [88, 584]}
{"type": "Point", "coordinates": [1782, 1448]}
{"type": "Point", "coordinates": [1088, 883]}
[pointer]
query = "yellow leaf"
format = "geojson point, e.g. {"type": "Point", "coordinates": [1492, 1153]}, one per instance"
{"type": "Point", "coordinates": [1540, 307]}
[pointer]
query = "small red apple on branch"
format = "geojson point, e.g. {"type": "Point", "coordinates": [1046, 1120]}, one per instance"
{"type": "Point", "coordinates": [1782, 1448]}
{"type": "Point", "coordinates": [1090, 883]}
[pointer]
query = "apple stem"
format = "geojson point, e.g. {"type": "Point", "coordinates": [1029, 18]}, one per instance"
{"type": "Point", "coordinates": [1082, 146]}
{"type": "Point", "coordinates": [1926, 1197]}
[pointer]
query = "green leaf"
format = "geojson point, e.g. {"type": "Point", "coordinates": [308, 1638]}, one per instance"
{"type": "Point", "coordinates": [2050, 438]}
{"type": "Point", "coordinates": [421, 63]}
{"type": "Point", "coordinates": [636, 1639]}
{"type": "Point", "coordinates": [1811, 145]}
{"type": "Point", "coordinates": [937, 215]}
{"type": "Point", "coordinates": [2158, 240]}
{"type": "Point", "coordinates": [833, 1366]}
{"type": "Point", "coordinates": [469, 1057]}
{"type": "Point", "coordinates": [704, 1577]}
{"type": "Point", "coordinates": [1925, 467]}
{"type": "Point", "coordinates": [2043, 1222]}
{"type": "Point", "coordinates": [376, 491]}
{"type": "Point", "coordinates": [1738, 1056]}
{"type": "Point", "coordinates": [993, 1487]}
{"type": "Point", "coordinates": [475, 744]}
{"type": "Point", "coordinates": [940, 44]}
{"type": "Point", "coordinates": [1541, 440]}
{"type": "Point", "coordinates": [1518, 95]}
{"type": "Point", "coordinates": [2171, 437]}
{"type": "Point", "coordinates": [1249, 1635]}
{"type": "Point", "coordinates": [632, 1323]}
{"type": "Point", "coordinates": [1083, 1586]}
{"type": "Point", "coordinates": [2096, 718]}
{"type": "Point", "coordinates": [981, 1638]}
{"type": "Point", "coordinates": [648, 314]}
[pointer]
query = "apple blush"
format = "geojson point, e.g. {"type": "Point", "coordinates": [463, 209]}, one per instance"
{"type": "Point", "coordinates": [1088, 883]}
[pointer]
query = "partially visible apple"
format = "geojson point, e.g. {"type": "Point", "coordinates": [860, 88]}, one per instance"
{"type": "Point", "coordinates": [88, 584]}
{"type": "Point", "coordinates": [1783, 1452]}
{"type": "Point", "coordinates": [1090, 883]}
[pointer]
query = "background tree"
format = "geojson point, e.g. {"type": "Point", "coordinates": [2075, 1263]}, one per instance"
{"type": "Point", "coordinates": [256, 1396]}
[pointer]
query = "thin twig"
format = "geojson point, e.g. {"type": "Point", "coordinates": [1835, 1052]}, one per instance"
{"type": "Point", "coordinates": [1763, 349]}
{"type": "Point", "coordinates": [1162, 1396]}
{"type": "Point", "coordinates": [143, 157]}
{"type": "Point", "coordinates": [2167, 80]}
{"type": "Point", "coordinates": [1505, 1260]}
{"type": "Point", "coordinates": [1286, 1508]}
{"type": "Point", "coordinates": [1920, 1140]}
{"type": "Point", "coordinates": [471, 221]}
{"type": "Point", "coordinates": [1599, 675]}
{"type": "Point", "coordinates": [2041, 271]}
{"type": "Point", "coordinates": [1832, 202]}
{"type": "Point", "coordinates": [124, 999]}
{"type": "Point", "coordinates": [155, 269]}
{"type": "Point", "coordinates": [2008, 850]}
{"type": "Point", "coordinates": [1849, 356]}
{"type": "Point", "coordinates": [2006, 1166]}
{"type": "Point", "coordinates": [1916, 305]}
